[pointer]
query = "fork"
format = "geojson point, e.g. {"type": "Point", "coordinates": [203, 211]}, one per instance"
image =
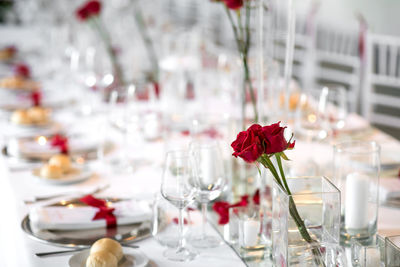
{"type": "Point", "coordinates": [38, 199]}
{"type": "Point", "coordinates": [65, 252]}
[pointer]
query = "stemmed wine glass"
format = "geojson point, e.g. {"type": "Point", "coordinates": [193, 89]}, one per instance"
{"type": "Point", "coordinates": [210, 181]}
{"type": "Point", "coordinates": [333, 107]}
{"type": "Point", "coordinates": [177, 187]}
{"type": "Point", "coordinates": [123, 121]}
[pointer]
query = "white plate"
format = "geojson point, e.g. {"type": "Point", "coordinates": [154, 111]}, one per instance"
{"type": "Point", "coordinates": [30, 148]}
{"type": "Point", "coordinates": [80, 174]}
{"type": "Point", "coordinates": [132, 258]}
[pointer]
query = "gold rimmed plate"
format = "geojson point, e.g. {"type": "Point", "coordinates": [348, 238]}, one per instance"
{"type": "Point", "coordinates": [124, 234]}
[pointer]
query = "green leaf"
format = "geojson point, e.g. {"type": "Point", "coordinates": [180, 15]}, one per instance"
{"type": "Point", "coordinates": [283, 155]}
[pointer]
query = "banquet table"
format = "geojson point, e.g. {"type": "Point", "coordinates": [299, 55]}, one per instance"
{"type": "Point", "coordinates": [17, 185]}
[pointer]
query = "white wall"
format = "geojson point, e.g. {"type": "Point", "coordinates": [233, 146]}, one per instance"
{"type": "Point", "coordinates": [383, 16]}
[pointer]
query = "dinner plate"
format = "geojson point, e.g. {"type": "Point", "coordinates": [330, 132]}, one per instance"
{"type": "Point", "coordinates": [132, 257]}
{"type": "Point", "coordinates": [33, 126]}
{"type": "Point", "coordinates": [78, 173]}
{"type": "Point", "coordinates": [31, 148]}
{"type": "Point", "coordinates": [125, 234]}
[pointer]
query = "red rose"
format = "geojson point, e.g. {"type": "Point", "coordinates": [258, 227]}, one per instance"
{"type": "Point", "coordinates": [22, 70]}
{"type": "Point", "coordinates": [89, 9]}
{"type": "Point", "coordinates": [248, 144]}
{"type": "Point", "coordinates": [36, 97]}
{"type": "Point", "coordinates": [274, 139]}
{"type": "Point", "coordinates": [234, 4]}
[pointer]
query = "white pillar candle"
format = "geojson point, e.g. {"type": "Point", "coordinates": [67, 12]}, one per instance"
{"type": "Point", "coordinates": [251, 228]}
{"type": "Point", "coordinates": [207, 166]}
{"type": "Point", "coordinates": [356, 203]}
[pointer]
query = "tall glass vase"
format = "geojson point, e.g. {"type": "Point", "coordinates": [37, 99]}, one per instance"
{"type": "Point", "coordinates": [278, 45]}
{"type": "Point", "coordinates": [244, 25]}
{"type": "Point", "coordinates": [318, 203]}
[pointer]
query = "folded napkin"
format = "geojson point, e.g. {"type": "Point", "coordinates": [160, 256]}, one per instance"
{"type": "Point", "coordinates": [76, 218]}
{"type": "Point", "coordinates": [31, 148]}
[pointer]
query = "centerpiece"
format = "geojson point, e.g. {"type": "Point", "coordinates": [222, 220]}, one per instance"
{"type": "Point", "coordinates": [90, 13]}
{"type": "Point", "coordinates": [243, 18]}
{"type": "Point", "coordinates": [295, 200]}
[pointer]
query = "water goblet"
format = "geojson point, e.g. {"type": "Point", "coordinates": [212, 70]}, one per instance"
{"type": "Point", "coordinates": [177, 187]}
{"type": "Point", "coordinates": [210, 181]}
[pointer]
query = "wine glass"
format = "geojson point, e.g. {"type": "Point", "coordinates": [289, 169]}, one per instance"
{"type": "Point", "coordinates": [210, 181]}
{"type": "Point", "coordinates": [120, 118]}
{"type": "Point", "coordinates": [177, 187]}
{"type": "Point", "coordinates": [333, 107]}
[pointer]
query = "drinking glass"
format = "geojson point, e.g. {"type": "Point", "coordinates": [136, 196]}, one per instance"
{"type": "Point", "coordinates": [309, 123]}
{"type": "Point", "coordinates": [178, 188]}
{"type": "Point", "coordinates": [210, 180]}
{"type": "Point", "coordinates": [124, 121]}
{"type": "Point", "coordinates": [333, 107]}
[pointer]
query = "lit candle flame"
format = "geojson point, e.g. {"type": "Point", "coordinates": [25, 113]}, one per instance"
{"type": "Point", "coordinates": [42, 140]}
{"type": "Point", "coordinates": [312, 118]}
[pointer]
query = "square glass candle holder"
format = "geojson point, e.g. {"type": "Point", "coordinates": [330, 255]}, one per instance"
{"type": "Point", "coordinates": [251, 241]}
{"type": "Point", "coordinates": [370, 254]}
{"type": "Point", "coordinates": [356, 174]}
{"type": "Point", "coordinates": [392, 251]}
{"type": "Point", "coordinates": [317, 202]}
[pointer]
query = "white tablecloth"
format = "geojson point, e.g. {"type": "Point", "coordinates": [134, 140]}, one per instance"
{"type": "Point", "coordinates": [17, 249]}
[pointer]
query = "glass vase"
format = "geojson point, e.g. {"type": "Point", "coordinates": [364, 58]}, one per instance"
{"type": "Point", "coordinates": [318, 204]}
{"type": "Point", "coordinates": [244, 39]}
{"type": "Point", "coordinates": [356, 174]}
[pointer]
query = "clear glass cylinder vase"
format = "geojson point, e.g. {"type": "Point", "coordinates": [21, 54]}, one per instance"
{"type": "Point", "coordinates": [317, 202]}
{"type": "Point", "coordinates": [356, 174]}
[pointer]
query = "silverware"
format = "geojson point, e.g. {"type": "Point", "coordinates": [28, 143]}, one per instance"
{"type": "Point", "coordinates": [58, 253]}
{"type": "Point", "coordinates": [38, 199]}
{"type": "Point", "coordinates": [66, 252]}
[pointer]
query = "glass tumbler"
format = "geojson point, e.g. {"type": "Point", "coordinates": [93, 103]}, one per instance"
{"type": "Point", "coordinates": [356, 174]}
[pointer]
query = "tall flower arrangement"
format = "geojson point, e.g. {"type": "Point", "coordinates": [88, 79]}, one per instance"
{"type": "Point", "coordinates": [89, 12]}
{"type": "Point", "coordinates": [153, 76]}
{"type": "Point", "coordinates": [258, 145]}
{"type": "Point", "coordinates": [239, 13]}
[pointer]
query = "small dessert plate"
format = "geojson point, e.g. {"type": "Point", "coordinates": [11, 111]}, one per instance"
{"type": "Point", "coordinates": [132, 257]}
{"type": "Point", "coordinates": [78, 173]}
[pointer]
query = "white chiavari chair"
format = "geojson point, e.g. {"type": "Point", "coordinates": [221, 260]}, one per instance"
{"type": "Point", "coordinates": [381, 91]}
{"type": "Point", "coordinates": [337, 60]}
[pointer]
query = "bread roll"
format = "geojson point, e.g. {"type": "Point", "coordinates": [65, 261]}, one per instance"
{"type": "Point", "coordinates": [101, 258]}
{"type": "Point", "coordinates": [51, 171]}
{"type": "Point", "coordinates": [38, 114]}
{"type": "Point", "coordinates": [20, 117]}
{"type": "Point", "coordinates": [62, 161]}
{"type": "Point", "coordinates": [110, 245]}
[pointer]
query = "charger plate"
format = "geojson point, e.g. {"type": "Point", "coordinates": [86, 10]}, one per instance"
{"type": "Point", "coordinates": [124, 234]}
